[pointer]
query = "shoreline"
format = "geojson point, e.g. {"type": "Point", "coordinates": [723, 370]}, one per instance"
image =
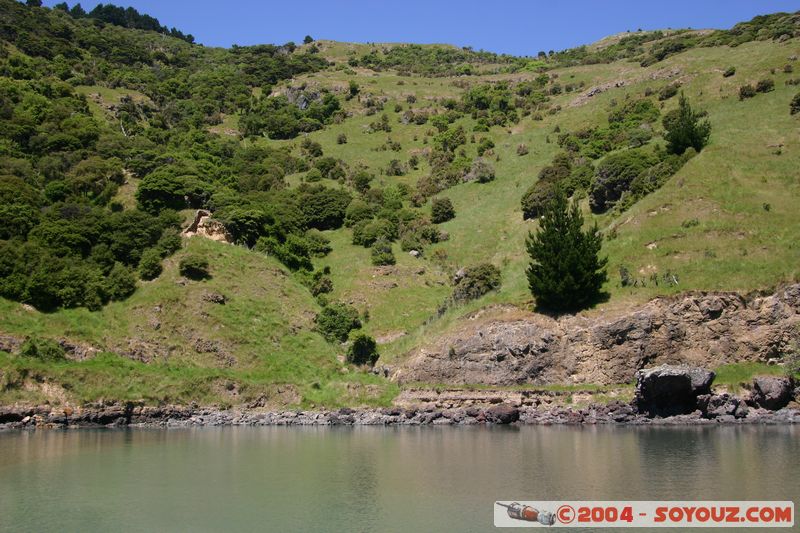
{"type": "Point", "coordinates": [131, 415]}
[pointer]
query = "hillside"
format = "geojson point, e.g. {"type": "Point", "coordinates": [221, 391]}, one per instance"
{"type": "Point", "coordinates": [114, 136]}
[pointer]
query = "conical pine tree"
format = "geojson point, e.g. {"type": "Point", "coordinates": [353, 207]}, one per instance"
{"type": "Point", "coordinates": [566, 272]}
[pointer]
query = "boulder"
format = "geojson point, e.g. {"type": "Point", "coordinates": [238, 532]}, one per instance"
{"type": "Point", "coordinates": [670, 390]}
{"type": "Point", "coordinates": [502, 414]}
{"type": "Point", "coordinates": [718, 405]}
{"type": "Point", "coordinates": [772, 392]}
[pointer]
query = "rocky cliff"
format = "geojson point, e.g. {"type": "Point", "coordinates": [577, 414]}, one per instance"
{"type": "Point", "coordinates": [507, 346]}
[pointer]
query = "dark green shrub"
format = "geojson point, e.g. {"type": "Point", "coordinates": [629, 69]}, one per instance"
{"type": "Point", "coordinates": [314, 175]}
{"type": "Point", "coordinates": [442, 210]}
{"type": "Point", "coordinates": [475, 281]}
{"type": "Point", "coordinates": [318, 244]}
{"type": "Point", "coordinates": [336, 321]}
{"type": "Point", "coordinates": [381, 253]}
{"type": "Point", "coordinates": [169, 243]}
{"type": "Point", "coordinates": [484, 146]}
{"type": "Point", "coordinates": [614, 176]}
{"type": "Point", "coordinates": [730, 71]}
{"type": "Point", "coordinates": [794, 106]}
{"type": "Point", "coordinates": [357, 211]}
{"type": "Point", "coordinates": [120, 282]}
{"type": "Point", "coordinates": [668, 91]}
{"type": "Point", "coordinates": [341, 139]}
{"type": "Point", "coordinates": [363, 351]}
{"type": "Point", "coordinates": [746, 91]}
{"type": "Point", "coordinates": [766, 85]}
{"type": "Point", "coordinates": [366, 232]}
{"type": "Point", "coordinates": [395, 168]}
{"type": "Point", "coordinates": [566, 272]}
{"type": "Point", "coordinates": [150, 264]}
{"type": "Point", "coordinates": [684, 129]}
{"type": "Point", "coordinates": [194, 267]}
{"type": "Point", "coordinates": [536, 199]}
{"type": "Point", "coordinates": [42, 349]}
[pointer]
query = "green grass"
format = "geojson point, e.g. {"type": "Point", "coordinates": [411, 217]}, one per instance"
{"type": "Point", "coordinates": [734, 375]}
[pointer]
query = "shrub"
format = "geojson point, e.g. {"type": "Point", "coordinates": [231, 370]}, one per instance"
{"type": "Point", "coordinates": [684, 129]}
{"type": "Point", "coordinates": [194, 267]}
{"type": "Point", "coordinates": [668, 91]}
{"type": "Point", "coordinates": [566, 272]}
{"type": "Point", "coordinates": [615, 175]}
{"type": "Point", "coordinates": [794, 106]}
{"type": "Point", "coordinates": [480, 171]}
{"type": "Point", "coordinates": [318, 244]}
{"type": "Point", "coordinates": [43, 349]}
{"type": "Point", "coordinates": [442, 210]}
{"type": "Point", "coordinates": [363, 351]}
{"type": "Point", "coordinates": [730, 71]}
{"type": "Point", "coordinates": [395, 168]}
{"type": "Point", "coordinates": [746, 91]}
{"type": "Point", "coordinates": [522, 149]}
{"type": "Point", "coordinates": [484, 146]}
{"type": "Point", "coordinates": [366, 232]}
{"type": "Point", "coordinates": [150, 264]}
{"type": "Point", "coordinates": [382, 254]}
{"type": "Point", "coordinates": [120, 282]}
{"type": "Point", "coordinates": [536, 198]}
{"type": "Point", "coordinates": [476, 281]}
{"type": "Point", "coordinates": [336, 321]}
{"type": "Point", "coordinates": [357, 211]}
{"type": "Point", "coordinates": [766, 85]}
{"type": "Point", "coordinates": [314, 175]}
{"type": "Point", "coordinates": [341, 139]}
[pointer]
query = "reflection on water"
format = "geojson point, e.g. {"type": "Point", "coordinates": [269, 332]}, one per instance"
{"type": "Point", "coordinates": [370, 479]}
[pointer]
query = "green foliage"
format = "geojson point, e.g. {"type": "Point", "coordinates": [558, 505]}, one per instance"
{"type": "Point", "coordinates": [730, 71]}
{"type": "Point", "coordinates": [475, 281]}
{"type": "Point", "coordinates": [194, 267]}
{"type": "Point", "coordinates": [746, 91]}
{"type": "Point", "coordinates": [668, 91]}
{"type": "Point", "coordinates": [42, 349]}
{"type": "Point", "coordinates": [566, 272]}
{"type": "Point", "coordinates": [336, 321]}
{"type": "Point", "coordinates": [614, 176]}
{"type": "Point", "coordinates": [120, 282]}
{"type": "Point", "coordinates": [794, 105]}
{"type": "Point", "coordinates": [381, 253]}
{"type": "Point", "coordinates": [150, 264]}
{"type": "Point", "coordinates": [765, 85]}
{"type": "Point", "coordinates": [442, 210]}
{"type": "Point", "coordinates": [363, 351]}
{"type": "Point", "coordinates": [684, 129]}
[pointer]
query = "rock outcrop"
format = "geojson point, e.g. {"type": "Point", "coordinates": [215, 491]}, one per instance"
{"type": "Point", "coordinates": [670, 390]}
{"type": "Point", "coordinates": [772, 392]}
{"type": "Point", "coordinates": [506, 346]}
{"type": "Point", "coordinates": [205, 226]}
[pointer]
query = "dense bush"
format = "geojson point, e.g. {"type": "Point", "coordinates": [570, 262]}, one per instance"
{"type": "Point", "coordinates": [684, 129]}
{"type": "Point", "coordinates": [746, 91]}
{"type": "Point", "coordinates": [381, 253]}
{"type": "Point", "coordinates": [794, 105]}
{"type": "Point", "coordinates": [668, 91]}
{"type": "Point", "coordinates": [566, 272]}
{"type": "Point", "coordinates": [194, 266]}
{"type": "Point", "coordinates": [766, 85]}
{"type": "Point", "coordinates": [363, 351]}
{"type": "Point", "coordinates": [336, 321]}
{"type": "Point", "coordinates": [42, 349]}
{"type": "Point", "coordinates": [730, 71]}
{"type": "Point", "coordinates": [614, 177]}
{"type": "Point", "coordinates": [442, 210]}
{"type": "Point", "coordinates": [475, 281]}
{"type": "Point", "coordinates": [150, 264]}
{"type": "Point", "coordinates": [480, 171]}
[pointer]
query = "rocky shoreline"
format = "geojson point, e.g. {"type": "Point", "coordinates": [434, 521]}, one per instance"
{"type": "Point", "coordinates": [665, 395]}
{"type": "Point", "coordinates": [615, 413]}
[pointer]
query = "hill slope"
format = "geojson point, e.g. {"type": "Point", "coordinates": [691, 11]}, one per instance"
{"type": "Point", "coordinates": [158, 139]}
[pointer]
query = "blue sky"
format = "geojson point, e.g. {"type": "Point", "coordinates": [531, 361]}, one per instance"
{"type": "Point", "coordinates": [517, 27]}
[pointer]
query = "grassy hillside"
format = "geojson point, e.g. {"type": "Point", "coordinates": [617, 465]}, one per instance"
{"type": "Point", "coordinates": [726, 220]}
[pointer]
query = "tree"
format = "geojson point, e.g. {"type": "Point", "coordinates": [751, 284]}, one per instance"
{"type": "Point", "coordinates": [308, 39]}
{"type": "Point", "coordinates": [684, 128]}
{"type": "Point", "coordinates": [363, 351]}
{"type": "Point", "coordinates": [566, 272]}
{"type": "Point", "coordinates": [442, 210]}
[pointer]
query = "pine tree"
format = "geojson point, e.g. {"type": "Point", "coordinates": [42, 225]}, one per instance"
{"type": "Point", "coordinates": [684, 129]}
{"type": "Point", "coordinates": [566, 272]}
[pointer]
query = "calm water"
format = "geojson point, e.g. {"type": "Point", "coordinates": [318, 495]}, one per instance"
{"type": "Point", "coordinates": [369, 479]}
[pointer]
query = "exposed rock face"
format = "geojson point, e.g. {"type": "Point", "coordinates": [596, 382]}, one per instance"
{"type": "Point", "coordinates": [719, 405]}
{"type": "Point", "coordinates": [671, 390]}
{"type": "Point", "coordinates": [508, 346]}
{"type": "Point", "coordinates": [205, 226]}
{"type": "Point", "coordinates": [772, 392]}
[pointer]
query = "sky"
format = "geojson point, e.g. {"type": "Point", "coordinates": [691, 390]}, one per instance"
{"type": "Point", "coordinates": [516, 27]}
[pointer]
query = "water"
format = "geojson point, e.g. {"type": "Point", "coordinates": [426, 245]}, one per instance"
{"type": "Point", "coordinates": [370, 479]}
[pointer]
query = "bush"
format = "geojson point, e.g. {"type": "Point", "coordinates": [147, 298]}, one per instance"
{"type": "Point", "coordinates": [336, 321]}
{"type": "Point", "coordinates": [566, 272]}
{"type": "Point", "coordinates": [766, 85]}
{"type": "Point", "coordinates": [794, 106]}
{"type": "Point", "coordinates": [536, 199]}
{"type": "Point", "coordinates": [341, 139]}
{"type": "Point", "coordinates": [668, 91]}
{"type": "Point", "coordinates": [730, 71]}
{"type": "Point", "coordinates": [150, 264]}
{"type": "Point", "coordinates": [382, 254]}
{"type": "Point", "coordinates": [746, 91]}
{"type": "Point", "coordinates": [615, 175]}
{"type": "Point", "coordinates": [684, 129]}
{"type": "Point", "coordinates": [314, 175]}
{"type": "Point", "coordinates": [194, 267]}
{"type": "Point", "coordinates": [366, 232]}
{"type": "Point", "coordinates": [357, 211]}
{"type": "Point", "coordinates": [476, 281]}
{"type": "Point", "coordinates": [522, 149]}
{"type": "Point", "coordinates": [395, 168]}
{"type": "Point", "coordinates": [120, 282]}
{"type": "Point", "coordinates": [480, 171]}
{"type": "Point", "coordinates": [42, 349]}
{"type": "Point", "coordinates": [442, 210]}
{"type": "Point", "coordinates": [363, 351]}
